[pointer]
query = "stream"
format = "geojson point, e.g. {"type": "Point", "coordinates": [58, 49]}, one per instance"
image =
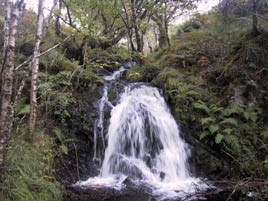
{"type": "Point", "coordinates": [142, 147]}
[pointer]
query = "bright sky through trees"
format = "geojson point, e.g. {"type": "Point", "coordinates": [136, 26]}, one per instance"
{"type": "Point", "coordinates": [203, 7]}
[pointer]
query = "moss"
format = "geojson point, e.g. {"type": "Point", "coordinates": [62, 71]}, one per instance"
{"type": "Point", "coordinates": [109, 59]}
{"type": "Point", "coordinates": [145, 73]}
{"type": "Point", "coordinates": [28, 171]}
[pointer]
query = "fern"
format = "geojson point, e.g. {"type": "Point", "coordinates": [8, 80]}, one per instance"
{"type": "Point", "coordinates": [213, 129]}
{"type": "Point", "coordinates": [264, 133]}
{"type": "Point", "coordinates": [230, 121]}
{"type": "Point", "coordinates": [24, 110]}
{"type": "Point", "coordinates": [228, 131]}
{"type": "Point", "coordinates": [218, 138]}
{"type": "Point", "coordinates": [233, 110]}
{"type": "Point", "coordinates": [203, 135]}
{"type": "Point", "coordinates": [192, 93]}
{"type": "Point", "coordinates": [202, 106]}
{"type": "Point", "coordinates": [250, 115]}
{"type": "Point", "coordinates": [214, 109]}
{"type": "Point", "coordinates": [208, 120]}
{"type": "Point", "coordinates": [232, 143]}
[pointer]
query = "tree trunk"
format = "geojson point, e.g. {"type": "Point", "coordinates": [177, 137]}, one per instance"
{"type": "Point", "coordinates": [130, 39]}
{"type": "Point", "coordinates": [135, 26]}
{"type": "Point", "coordinates": [35, 68]}
{"type": "Point", "coordinates": [50, 17]}
{"type": "Point", "coordinates": [57, 23]}
{"type": "Point", "coordinates": [138, 39]}
{"type": "Point", "coordinates": [8, 7]}
{"type": "Point", "coordinates": [7, 79]}
{"type": "Point", "coordinates": [166, 30]}
{"type": "Point", "coordinates": [162, 39]}
{"type": "Point", "coordinates": [255, 28]}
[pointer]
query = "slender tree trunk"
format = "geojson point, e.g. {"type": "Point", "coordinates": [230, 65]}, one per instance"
{"type": "Point", "coordinates": [130, 36]}
{"type": "Point", "coordinates": [166, 30]}
{"type": "Point", "coordinates": [255, 28]}
{"type": "Point", "coordinates": [35, 68]}
{"type": "Point", "coordinates": [7, 78]}
{"type": "Point", "coordinates": [8, 7]}
{"type": "Point", "coordinates": [50, 17]}
{"type": "Point", "coordinates": [162, 39]}
{"type": "Point", "coordinates": [155, 36]}
{"type": "Point", "coordinates": [135, 26]}
{"type": "Point", "coordinates": [6, 30]}
{"type": "Point", "coordinates": [138, 39]}
{"type": "Point", "coordinates": [57, 23]}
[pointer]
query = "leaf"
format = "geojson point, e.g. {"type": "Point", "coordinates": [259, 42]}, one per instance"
{"type": "Point", "coordinates": [230, 121]}
{"type": "Point", "coordinates": [228, 131]}
{"type": "Point", "coordinates": [219, 138]}
{"type": "Point", "coordinates": [25, 110]}
{"type": "Point", "coordinates": [233, 143]}
{"type": "Point", "coordinates": [201, 106]}
{"type": "Point", "coordinates": [192, 93]}
{"type": "Point", "coordinates": [264, 134]}
{"type": "Point", "coordinates": [206, 121]}
{"type": "Point", "coordinates": [64, 149]}
{"type": "Point", "coordinates": [213, 129]}
{"type": "Point", "coordinates": [250, 115]}
{"type": "Point", "coordinates": [58, 134]}
{"type": "Point", "coordinates": [233, 110]}
{"type": "Point", "coordinates": [216, 109]}
{"type": "Point", "coordinates": [203, 135]}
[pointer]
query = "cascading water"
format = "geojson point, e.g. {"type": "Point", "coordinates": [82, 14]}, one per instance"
{"type": "Point", "coordinates": [99, 127]}
{"type": "Point", "coordinates": [145, 146]}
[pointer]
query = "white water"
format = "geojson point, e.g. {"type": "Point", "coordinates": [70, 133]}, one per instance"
{"type": "Point", "coordinates": [144, 144]}
{"type": "Point", "coordinates": [117, 74]}
{"type": "Point", "coordinates": [98, 127]}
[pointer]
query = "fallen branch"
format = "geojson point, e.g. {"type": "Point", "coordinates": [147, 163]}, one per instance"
{"type": "Point", "coordinates": [57, 45]}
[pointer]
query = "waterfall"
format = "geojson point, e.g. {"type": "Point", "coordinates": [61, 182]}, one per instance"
{"type": "Point", "coordinates": [143, 138]}
{"type": "Point", "coordinates": [98, 126]}
{"type": "Point", "coordinates": [144, 145]}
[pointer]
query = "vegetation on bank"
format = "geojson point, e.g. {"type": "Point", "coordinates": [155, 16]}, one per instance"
{"type": "Point", "coordinates": [29, 173]}
{"type": "Point", "coordinates": [214, 75]}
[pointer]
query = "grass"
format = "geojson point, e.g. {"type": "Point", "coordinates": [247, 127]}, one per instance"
{"type": "Point", "coordinates": [28, 171]}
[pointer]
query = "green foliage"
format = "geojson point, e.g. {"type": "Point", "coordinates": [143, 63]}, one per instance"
{"type": "Point", "coordinates": [28, 171]}
{"type": "Point", "coordinates": [62, 140]}
{"type": "Point", "coordinates": [142, 73]}
{"type": "Point", "coordinates": [218, 138]}
{"type": "Point", "coordinates": [24, 110]}
{"type": "Point", "coordinates": [109, 59]}
{"type": "Point", "coordinates": [55, 96]}
{"type": "Point", "coordinates": [214, 76]}
{"type": "Point", "coordinates": [230, 121]}
{"type": "Point", "coordinates": [201, 106]}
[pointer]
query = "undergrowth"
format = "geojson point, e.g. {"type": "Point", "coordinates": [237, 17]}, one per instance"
{"type": "Point", "coordinates": [214, 76]}
{"type": "Point", "coordinates": [28, 171]}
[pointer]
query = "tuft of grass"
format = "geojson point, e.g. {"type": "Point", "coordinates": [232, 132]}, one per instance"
{"type": "Point", "coordinates": [28, 171]}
